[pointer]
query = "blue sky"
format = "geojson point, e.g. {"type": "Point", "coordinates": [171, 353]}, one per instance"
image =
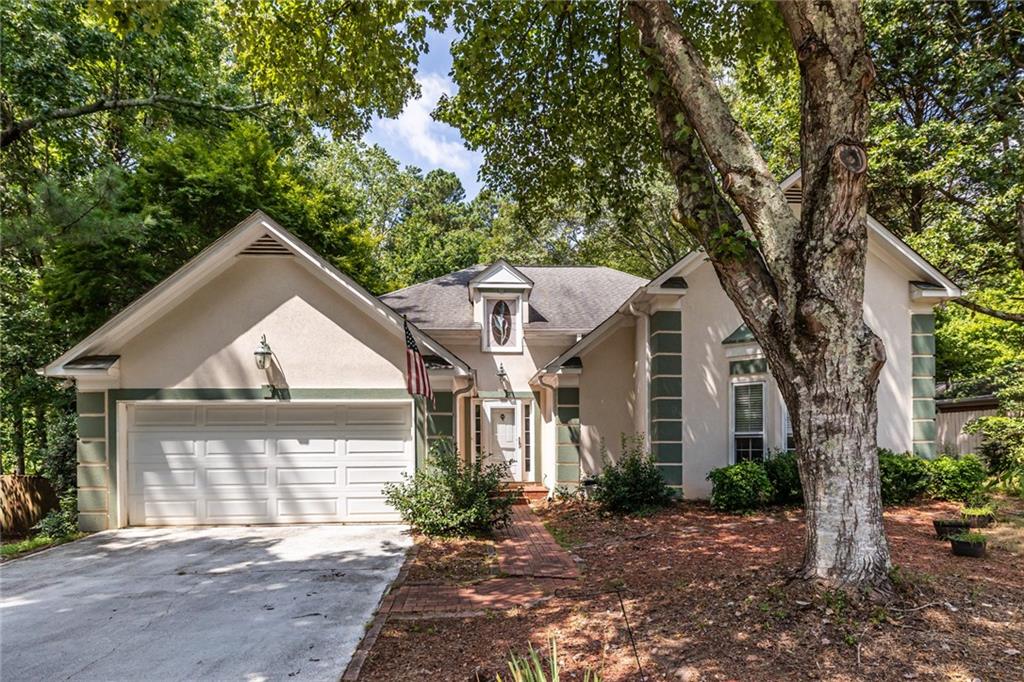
{"type": "Point", "coordinates": [414, 138]}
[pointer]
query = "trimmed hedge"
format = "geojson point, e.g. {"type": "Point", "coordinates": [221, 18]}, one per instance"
{"type": "Point", "coordinates": [741, 487]}
{"type": "Point", "coordinates": [633, 484]}
{"type": "Point", "coordinates": [904, 477]}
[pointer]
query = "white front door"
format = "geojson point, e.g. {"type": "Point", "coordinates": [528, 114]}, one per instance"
{"type": "Point", "coordinates": [503, 444]}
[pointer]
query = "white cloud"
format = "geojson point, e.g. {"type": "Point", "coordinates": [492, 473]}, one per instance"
{"type": "Point", "coordinates": [424, 138]}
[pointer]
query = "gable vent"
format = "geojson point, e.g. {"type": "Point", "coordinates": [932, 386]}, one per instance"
{"type": "Point", "coordinates": [265, 246]}
{"type": "Point", "coordinates": [794, 195]}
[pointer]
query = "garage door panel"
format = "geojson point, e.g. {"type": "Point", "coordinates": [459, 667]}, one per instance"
{"type": "Point", "coordinates": [236, 446]}
{"type": "Point", "coordinates": [167, 478]}
{"type": "Point", "coordinates": [266, 464]}
{"type": "Point", "coordinates": [307, 507]}
{"type": "Point", "coordinates": [247, 509]}
{"type": "Point", "coordinates": [158, 445]}
{"type": "Point", "coordinates": [375, 446]}
{"type": "Point", "coordinates": [312, 446]}
{"type": "Point", "coordinates": [177, 510]}
{"type": "Point", "coordinates": [236, 477]}
{"type": "Point", "coordinates": [165, 416]}
{"type": "Point", "coordinates": [377, 416]}
{"type": "Point", "coordinates": [304, 476]}
{"type": "Point", "coordinates": [236, 416]}
{"type": "Point", "coordinates": [374, 476]}
{"type": "Point", "coordinates": [310, 416]}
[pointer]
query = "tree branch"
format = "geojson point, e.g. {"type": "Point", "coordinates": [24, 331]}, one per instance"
{"type": "Point", "coordinates": [745, 174]}
{"type": "Point", "coordinates": [13, 132]}
{"type": "Point", "coordinates": [991, 312]}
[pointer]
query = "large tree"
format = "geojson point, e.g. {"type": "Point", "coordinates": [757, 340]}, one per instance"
{"type": "Point", "coordinates": [572, 97]}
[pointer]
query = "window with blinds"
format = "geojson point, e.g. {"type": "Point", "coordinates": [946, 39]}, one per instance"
{"type": "Point", "coordinates": [748, 422]}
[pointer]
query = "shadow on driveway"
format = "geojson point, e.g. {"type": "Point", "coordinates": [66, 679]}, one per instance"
{"type": "Point", "coordinates": [225, 603]}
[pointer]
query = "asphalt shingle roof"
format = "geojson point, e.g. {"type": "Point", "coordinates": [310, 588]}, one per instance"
{"type": "Point", "coordinates": [563, 297]}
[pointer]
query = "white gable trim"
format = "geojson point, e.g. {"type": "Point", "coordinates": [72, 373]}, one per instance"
{"type": "Point", "coordinates": [502, 275]}
{"type": "Point", "coordinates": [210, 262]}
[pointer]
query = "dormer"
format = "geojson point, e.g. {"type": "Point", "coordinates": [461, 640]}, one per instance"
{"type": "Point", "coordinates": [500, 295]}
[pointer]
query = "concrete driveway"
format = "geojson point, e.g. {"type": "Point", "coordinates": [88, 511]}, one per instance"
{"type": "Point", "coordinates": [226, 603]}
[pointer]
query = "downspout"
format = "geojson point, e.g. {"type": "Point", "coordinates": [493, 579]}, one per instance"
{"type": "Point", "coordinates": [455, 404]}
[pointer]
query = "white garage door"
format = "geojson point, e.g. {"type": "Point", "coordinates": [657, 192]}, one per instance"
{"type": "Point", "coordinates": [233, 463]}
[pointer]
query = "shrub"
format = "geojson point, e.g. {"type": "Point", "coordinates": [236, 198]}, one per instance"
{"type": "Point", "coordinates": [969, 536]}
{"type": "Point", "coordinates": [60, 522]}
{"type": "Point", "coordinates": [450, 498]}
{"type": "Point", "coordinates": [784, 475]}
{"type": "Point", "coordinates": [740, 487]}
{"type": "Point", "coordinates": [633, 483]}
{"type": "Point", "coordinates": [903, 476]}
{"type": "Point", "coordinates": [959, 480]}
{"type": "Point", "coordinates": [1002, 448]}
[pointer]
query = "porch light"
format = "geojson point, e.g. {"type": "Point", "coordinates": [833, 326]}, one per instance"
{"type": "Point", "coordinates": [503, 381]}
{"type": "Point", "coordinates": [263, 353]}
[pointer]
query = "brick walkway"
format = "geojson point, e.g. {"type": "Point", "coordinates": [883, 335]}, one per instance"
{"type": "Point", "coordinates": [532, 565]}
{"type": "Point", "coordinates": [526, 548]}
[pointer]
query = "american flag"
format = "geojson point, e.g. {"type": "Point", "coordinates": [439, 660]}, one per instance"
{"type": "Point", "coordinates": [416, 379]}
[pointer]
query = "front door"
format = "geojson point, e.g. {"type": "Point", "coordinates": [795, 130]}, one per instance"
{"type": "Point", "coordinates": [504, 440]}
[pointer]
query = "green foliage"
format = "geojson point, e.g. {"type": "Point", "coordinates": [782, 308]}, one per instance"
{"type": "Point", "coordinates": [784, 475]}
{"type": "Point", "coordinates": [449, 497]}
{"type": "Point", "coordinates": [533, 668]}
{"type": "Point", "coordinates": [970, 536]}
{"type": "Point", "coordinates": [740, 487]}
{"type": "Point", "coordinates": [632, 484]}
{"type": "Point", "coordinates": [63, 521]}
{"type": "Point", "coordinates": [904, 477]}
{"type": "Point", "coordinates": [959, 480]}
{"type": "Point", "coordinates": [986, 511]}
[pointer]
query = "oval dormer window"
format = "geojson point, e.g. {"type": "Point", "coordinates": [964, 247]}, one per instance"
{"type": "Point", "coordinates": [501, 323]}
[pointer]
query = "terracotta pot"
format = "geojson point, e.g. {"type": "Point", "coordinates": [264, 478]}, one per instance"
{"type": "Point", "coordinates": [944, 528]}
{"type": "Point", "coordinates": [965, 548]}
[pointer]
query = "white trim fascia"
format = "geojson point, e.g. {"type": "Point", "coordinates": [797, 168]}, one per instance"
{"type": "Point", "coordinates": [501, 264]}
{"type": "Point", "coordinates": [215, 259]}
{"type": "Point", "coordinates": [681, 268]}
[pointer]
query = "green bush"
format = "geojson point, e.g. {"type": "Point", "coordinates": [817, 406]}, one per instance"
{"type": "Point", "coordinates": [959, 480]}
{"type": "Point", "coordinates": [904, 477]}
{"type": "Point", "coordinates": [740, 487]}
{"type": "Point", "coordinates": [1002, 448]}
{"type": "Point", "coordinates": [450, 498]}
{"type": "Point", "coordinates": [533, 667]}
{"type": "Point", "coordinates": [60, 522]}
{"type": "Point", "coordinates": [632, 484]}
{"type": "Point", "coordinates": [784, 475]}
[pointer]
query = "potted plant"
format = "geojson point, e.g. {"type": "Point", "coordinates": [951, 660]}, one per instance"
{"type": "Point", "coordinates": [979, 517]}
{"type": "Point", "coordinates": [946, 528]}
{"type": "Point", "coordinates": [968, 544]}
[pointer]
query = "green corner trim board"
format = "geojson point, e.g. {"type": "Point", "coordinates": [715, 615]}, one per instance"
{"type": "Point", "coordinates": [666, 394]}
{"type": "Point", "coordinates": [922, 359]}
{"type": "Point", "coordinates": [567, 414]}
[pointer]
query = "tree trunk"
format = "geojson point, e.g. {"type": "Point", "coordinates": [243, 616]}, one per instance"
{"type": "Point", "coordinates": [799, 283]}
{"type": "Point", "coordinates": [40, 427]}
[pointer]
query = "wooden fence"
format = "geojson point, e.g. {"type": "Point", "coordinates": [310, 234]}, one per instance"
{"type": "Point", "coordinates": [952, 415]}
{"type": "Point", "coordinates": [24, 501]}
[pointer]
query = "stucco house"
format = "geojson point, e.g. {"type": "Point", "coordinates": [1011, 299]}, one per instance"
{"type": "Point", "coordinates": [258, 384]}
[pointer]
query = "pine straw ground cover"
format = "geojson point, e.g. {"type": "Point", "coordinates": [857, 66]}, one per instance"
{"type": "Point", "coordinates": [451, 561]}
{"type": "Point", "coordinates": [710, 597]}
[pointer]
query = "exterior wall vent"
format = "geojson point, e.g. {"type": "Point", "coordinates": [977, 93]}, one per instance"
{"type": "Point", "coordinates": [265, 246]}
{"type": "Point", "coordinates": [794, 195]}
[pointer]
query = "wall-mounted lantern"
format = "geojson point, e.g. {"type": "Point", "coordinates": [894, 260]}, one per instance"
{"type": "Point", "coordinates": [505, 384]}
{"type": "Point", "coordinates": [263, 353]}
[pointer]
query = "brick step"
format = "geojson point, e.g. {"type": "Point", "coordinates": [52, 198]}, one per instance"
{"type": "Point", "coordinates": [524, 492]}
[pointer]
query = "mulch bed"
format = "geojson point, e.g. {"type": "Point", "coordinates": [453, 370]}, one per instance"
{"type": "Point", "coordinates": [711, 597]}
{"type": "Point", "coordinates": [452, 561]}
